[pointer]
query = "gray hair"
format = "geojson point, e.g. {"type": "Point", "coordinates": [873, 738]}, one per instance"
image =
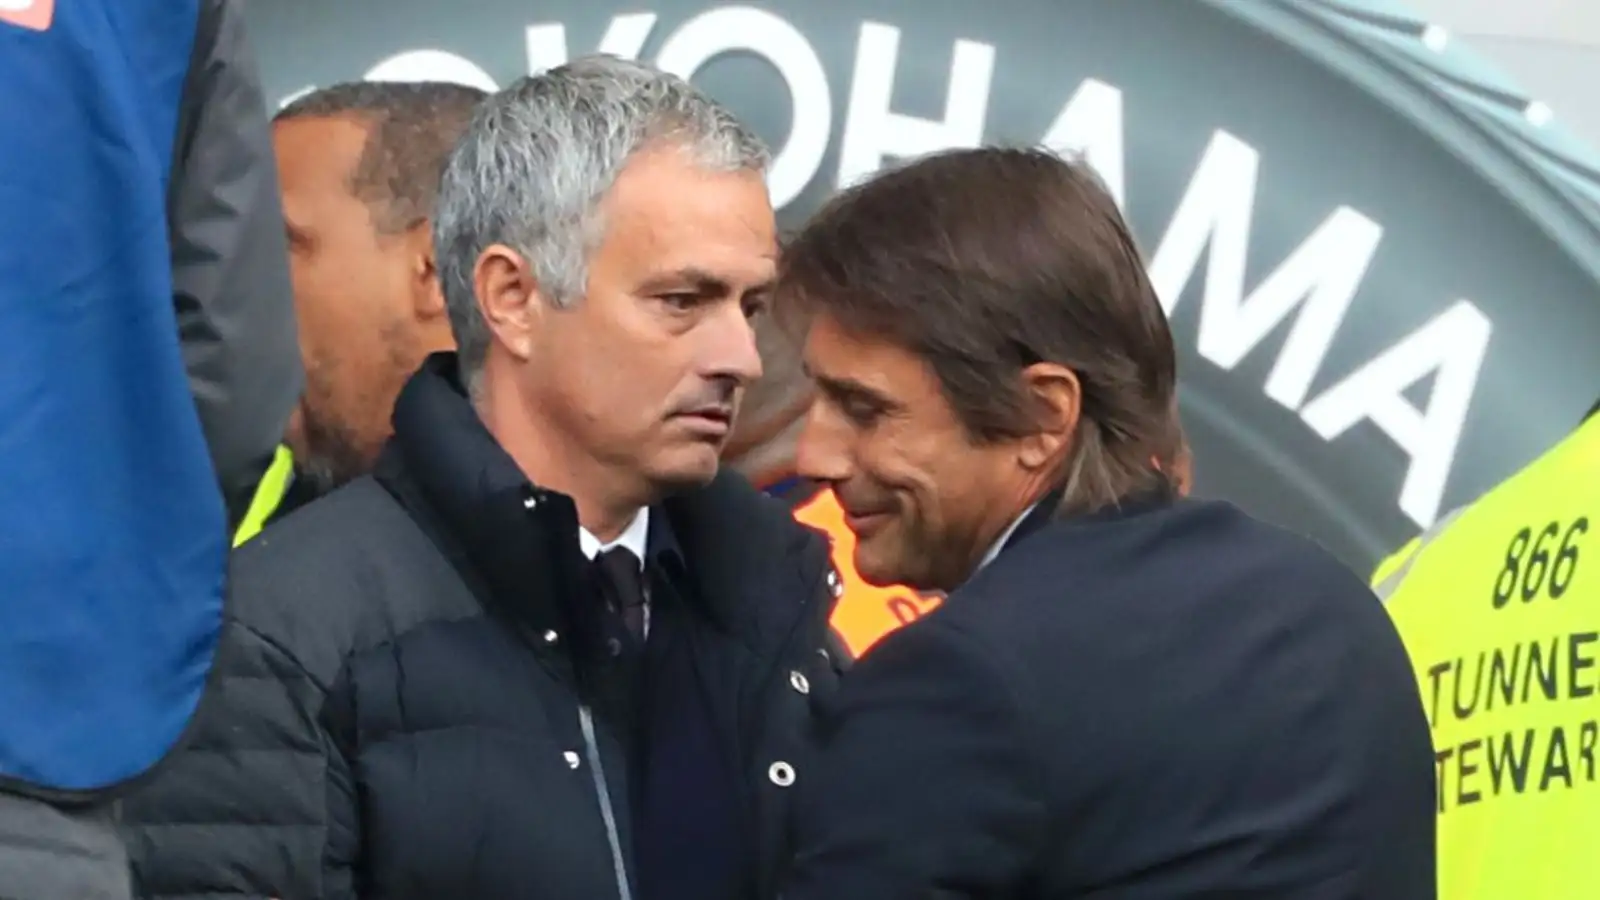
{"type": "Point", "coordinates": [539, 157]}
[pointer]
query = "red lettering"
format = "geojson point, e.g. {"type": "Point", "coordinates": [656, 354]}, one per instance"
{"type": "Point", "coordinates": [910, 606]}
{"type": "Point", "coordinates": [904, 608]}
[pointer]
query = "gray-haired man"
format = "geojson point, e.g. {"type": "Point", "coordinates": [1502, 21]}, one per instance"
{"type": "Point", "coordinates": [547, 650]}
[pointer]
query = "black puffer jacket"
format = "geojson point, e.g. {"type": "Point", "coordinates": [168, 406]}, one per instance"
{"type": "Point", "coordinates": [396, 709]}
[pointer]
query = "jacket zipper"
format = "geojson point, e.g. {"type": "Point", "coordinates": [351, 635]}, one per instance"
{"type": "Point", "coordinates": [597, 773]}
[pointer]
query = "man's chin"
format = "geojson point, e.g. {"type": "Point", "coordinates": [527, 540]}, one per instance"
{"type": "Point", "coordinates": [883, 566]}
{"type": "Point", "coordinates": [877, 570]}
{"type": "Point", "coordinates": [692, 470]}
{"type": "Point", "coordinates": [319, 474]}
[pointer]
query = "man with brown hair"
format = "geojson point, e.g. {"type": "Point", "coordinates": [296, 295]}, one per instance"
{"type": "Point", "coordinates": [1128, 693]}
{"type": "Point", "coordinates": [762, 447]}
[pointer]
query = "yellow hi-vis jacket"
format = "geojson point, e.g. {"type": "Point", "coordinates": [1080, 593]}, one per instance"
{"type": "Point", "coordinates": [270, 491]}
{"type": "Point", "coordinates": [1500, 612]}
{"type": "Point", "coordinates": [863, 613]}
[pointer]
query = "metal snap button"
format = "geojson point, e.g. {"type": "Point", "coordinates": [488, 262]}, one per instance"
{"type": "Point", "coordinates": [781, 773]}
{"type": "Point", "coordinates": [530, 503]}
{"type": "Point", "coordinates": [550, 637]}
{"type": "Point", "coordinates": [799, 682]}
{"type": "Point", "coordinates": [572, 758]}
{"type": "Point", "coordinates": [834, 584]}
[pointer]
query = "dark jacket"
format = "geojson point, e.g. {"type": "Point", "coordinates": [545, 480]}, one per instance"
{"type": "Point", "coordinates": [148, 339]}
{"type": "Point", "coordinates": [1172, 700]}
{"type": "Point", "coordinates": [230, 273]}
{"type": "Point", "coordinates": [399, 712]}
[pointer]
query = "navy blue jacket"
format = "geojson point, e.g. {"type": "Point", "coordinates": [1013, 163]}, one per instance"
{"type": "Point", "coordinates": [1170, 700]}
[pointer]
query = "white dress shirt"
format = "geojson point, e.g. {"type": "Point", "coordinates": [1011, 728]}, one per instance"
{"type": "Point", "coordinates": [1000, 544]}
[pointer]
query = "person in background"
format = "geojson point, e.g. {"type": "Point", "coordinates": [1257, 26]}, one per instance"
{"type": "Point", "coordinates": [1499, 606]}
{"type": "Point", "coordinates": [547, 649]}
{"type": "Point", "coordinates": [147, 369]}
{"type": "Point", "coordinates": [359, 166]}
{"type": "Point", "coordinates": [1125, 692]}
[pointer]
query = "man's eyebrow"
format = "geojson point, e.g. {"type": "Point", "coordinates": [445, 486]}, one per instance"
{"type": "Point", "coordinates": [690, 277]}
{"type": "Point", "coordinates": [849, 388]}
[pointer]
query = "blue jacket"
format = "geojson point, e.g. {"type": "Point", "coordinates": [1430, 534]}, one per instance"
{"type": "Point", "coordinates": [147, 359]}
{"type": "Point", "coordinates": [1165, 698]}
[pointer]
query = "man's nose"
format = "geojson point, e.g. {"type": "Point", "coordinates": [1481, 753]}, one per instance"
{"type": "Point", "coordinates": [731, 350]}
{"type": "Point", "coordinates": [822, 452]}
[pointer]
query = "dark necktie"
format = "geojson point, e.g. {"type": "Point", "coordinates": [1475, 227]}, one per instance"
{"type": "Point", "coordinates": [622, 582]}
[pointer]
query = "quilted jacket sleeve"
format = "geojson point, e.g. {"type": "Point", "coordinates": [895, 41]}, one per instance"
{"type": "Point", "coordinates": [259, 803]}
{"type": "Point", "coordinates": [230, 272]}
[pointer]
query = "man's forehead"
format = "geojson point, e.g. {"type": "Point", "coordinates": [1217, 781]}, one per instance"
{"type": "Point", "coordinates": [670, 238]}
{"type": "Point", "coordinates": [691, 245]}
{"type": "Point", "coordinates": [319, 149]}
{"type": "Point", "coordinates": [833, 353]}
{"type": "Point", "coordinates": [661, 193]}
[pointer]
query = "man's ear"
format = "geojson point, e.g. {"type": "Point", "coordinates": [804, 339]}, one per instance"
{"type": "Point", "coordinates": [427, 297]}
{"type": "Point", "coordinates": [1058, 400]}
{"type": "Point", "coordinates": [508, 297]}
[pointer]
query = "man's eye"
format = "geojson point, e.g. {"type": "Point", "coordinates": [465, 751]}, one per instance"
{"type": "Point", "coordinates": [680, 302]}
{"type": "Point", "coordinates": [861, 412]}
{"type": "Point", "coordinates": [755, 308]}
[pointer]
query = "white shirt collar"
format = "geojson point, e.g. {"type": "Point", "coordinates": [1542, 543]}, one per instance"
{"type": "Point", "coordinates": [633, 537]}
{"type": "Point", "coordinates": [1000, 544]}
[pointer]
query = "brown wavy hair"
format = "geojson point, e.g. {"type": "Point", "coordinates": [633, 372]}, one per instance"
{"type": "Point", "coordinates": [985, 261]}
